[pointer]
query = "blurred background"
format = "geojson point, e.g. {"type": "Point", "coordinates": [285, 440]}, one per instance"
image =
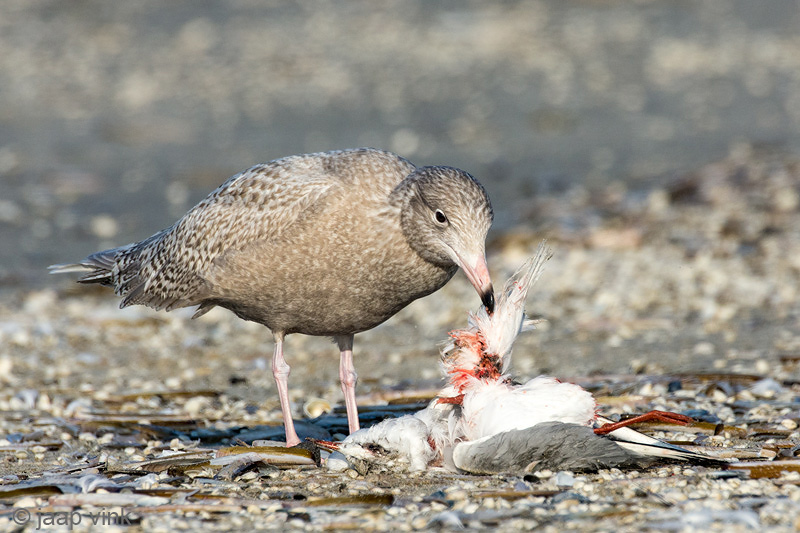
{"type": "Point", "coordinates": [116, 117]}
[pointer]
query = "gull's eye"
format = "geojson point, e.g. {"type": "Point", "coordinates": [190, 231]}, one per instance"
{"type": "Point", "coordinates": [441, 218]}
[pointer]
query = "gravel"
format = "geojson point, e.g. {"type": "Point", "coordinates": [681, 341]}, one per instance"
{"type": "Point", "coordinates": [686, 315]}
{"type": "Point", "coordinates": [654, 145]}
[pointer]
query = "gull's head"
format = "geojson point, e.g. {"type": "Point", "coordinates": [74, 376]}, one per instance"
{"type": "Point", "coordinates": [445, 216]}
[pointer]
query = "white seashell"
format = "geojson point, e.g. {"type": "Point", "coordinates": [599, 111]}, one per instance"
{"type": "Point", "coordinates": [316, 406]}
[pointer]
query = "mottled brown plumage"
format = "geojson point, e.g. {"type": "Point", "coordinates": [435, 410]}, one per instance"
{"type": "Point", "coordinates": [323, 244]}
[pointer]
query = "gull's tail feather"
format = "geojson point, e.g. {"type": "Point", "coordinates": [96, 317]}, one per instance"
{"type": "Point", "coordinates": [97, 268]}
{"type": "Point", "coordinates": [140, 273]}
{"type": "Point", "coordinates": [68, 268]}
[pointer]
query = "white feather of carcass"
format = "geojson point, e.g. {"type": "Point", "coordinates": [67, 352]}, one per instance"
{"type": "Point", "coordinates": [406, 436]}
{"type": "Point", "coordinates": [502, 327]}
{"type": "Point", "coordinates": [442, 421]}
{"type": "Point", "coordinates": [498, 406]}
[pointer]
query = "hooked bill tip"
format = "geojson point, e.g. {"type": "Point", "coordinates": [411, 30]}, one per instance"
{"type": "Point", "coordinates": [488, 300]}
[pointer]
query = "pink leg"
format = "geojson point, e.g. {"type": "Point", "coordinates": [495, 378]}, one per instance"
{"type": "Point", "coordinates": [280, 369]}
{"type": "Point", "coordinates": [348, 377]}
{"type": "Point", "coordinates": [661, 416]}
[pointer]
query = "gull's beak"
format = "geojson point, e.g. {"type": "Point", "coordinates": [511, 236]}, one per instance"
{"type": "Point", "coordinates": [477, 272]}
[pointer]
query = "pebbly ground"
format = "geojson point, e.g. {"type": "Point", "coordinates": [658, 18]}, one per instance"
{"type": "Point", "coordinates": [684, 298]}
{"type": "Point", "coordinates": [654, 144]}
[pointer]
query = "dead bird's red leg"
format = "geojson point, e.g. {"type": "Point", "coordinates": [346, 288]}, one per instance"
{"type": "Point", "coordinates": [454, 400]}
{"type": "Point", "coordinates": [329, 445]}
{"type": "Point", "coordinates": [661, 416]}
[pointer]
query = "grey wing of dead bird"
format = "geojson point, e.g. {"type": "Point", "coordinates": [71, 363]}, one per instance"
{"type": "Point", "coordinates": [561, 446]}
{"type": "Point", "coordinates": [166, 270]}
{"type": "Point", "coordinates": [549, 445]}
